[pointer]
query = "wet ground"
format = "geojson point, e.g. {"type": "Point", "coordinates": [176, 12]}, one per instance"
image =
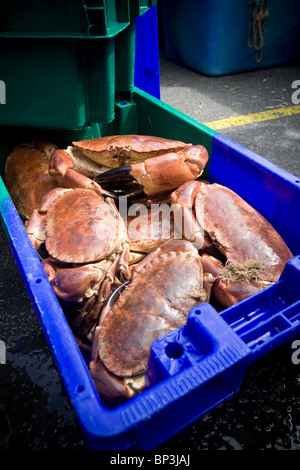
{"type": "Point", "coordinates": [210, 99]}
{"type": "Point", "coordinates": [35, 412]}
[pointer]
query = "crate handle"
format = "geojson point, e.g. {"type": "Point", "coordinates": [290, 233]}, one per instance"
{"type": "Point", "coordinates": [205, 346]}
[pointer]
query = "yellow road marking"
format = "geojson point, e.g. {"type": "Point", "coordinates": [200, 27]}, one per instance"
{"type": "Point", "coordinates": [255, 117]}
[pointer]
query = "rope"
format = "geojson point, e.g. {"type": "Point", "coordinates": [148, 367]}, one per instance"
{"type": "Point", "coordinates": [257, 26]}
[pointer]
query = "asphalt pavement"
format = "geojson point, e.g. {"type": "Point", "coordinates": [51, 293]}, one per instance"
{"type": "Point", "coordinates": [256, 93]}
{"type": "Point", "coordinates": [35, 412]}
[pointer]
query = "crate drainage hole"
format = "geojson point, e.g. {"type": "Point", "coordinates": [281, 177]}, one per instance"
{"type": "Point", "coordinates": [80, 388]}
{"type": "Point", "coordinates": [38, 281]}
{"type": "Point", "coordinates": [174, 350]}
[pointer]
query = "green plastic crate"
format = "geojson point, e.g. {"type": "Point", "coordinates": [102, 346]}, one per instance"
{"type": "Point", "coordinates": [58, 61]}
{"type": "Point", "coordinates": [53, 82]}
{"type": "Point", "coordinates": [67, 19]}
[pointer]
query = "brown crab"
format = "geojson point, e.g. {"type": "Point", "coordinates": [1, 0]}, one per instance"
{"type": "Point", "coordinates": [162, 173]}
{"type": "Point", "coordinates": [92, 157]}
{"type": "Point", "coordinates": [165, 285]}
{"type": "Point", "coordinates": [155, 164]}
{"type": "Point", "coordinates": [86, 241]}
{"type": "Point", "coordinates": [239, 246]}
{"type": "Point", "coordinates": [29, 158]}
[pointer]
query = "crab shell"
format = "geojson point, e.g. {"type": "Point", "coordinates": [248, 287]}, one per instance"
{"type": "Point", "coordinates": [86, 240]}
{"type": "Point", "coordinates": [80, 227]}
{"type": "Point", "coordinates": [238, 236]}
{"type": "Point", "coordinates": [118, 150]}
{"type": "Point", "coordinates": [150, 223]}
{"type": "Point", "coordinates": [80, 164]}
{"type": "Point", "coordinates": [32, 159]}
{"type": "Point", "coordinates": [166, 285]}
{"type": "Point", "coordinates": [91, 232]}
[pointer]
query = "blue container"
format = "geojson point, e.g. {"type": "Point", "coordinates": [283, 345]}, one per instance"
{"type": "Point", "coordinates": [212, 36]}
{"type": "Point", "coordinates": [198, 366]}
{"type": "Point", "coordinates": [146, 72]}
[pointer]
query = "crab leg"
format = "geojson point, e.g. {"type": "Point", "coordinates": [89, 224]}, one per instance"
{"type": "Point", "coordinates": [35, 227]}
{"type": "Point", "coordinates": [89, 285]}
{"type": "Point", "coordinates": [230, 293]}
{"type": "Point", "coordinates": [74, 284]}
{"type": "Point", "coordinates": [62, 169]}
{"type": "Point", "coordinates": [186, 220]}
{"type": "Point", "coordinates": [164, 172]}
{"type": "Point", "coordinates": [89, 314]}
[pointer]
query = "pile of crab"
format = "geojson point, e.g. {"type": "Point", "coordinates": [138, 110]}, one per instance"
{"type": "Point", "coordinates": [131, 239]}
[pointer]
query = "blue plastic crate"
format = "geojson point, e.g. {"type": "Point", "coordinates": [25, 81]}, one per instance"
{"type": "Point", "coordinates": [198, 366]}
{"type": "Point", "coordinates": [212, 37]}
{"type": "Point", "coordinates": [146, 72]}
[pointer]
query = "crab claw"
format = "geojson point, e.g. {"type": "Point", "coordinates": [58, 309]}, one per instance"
{"type": "Point", "coordinates": [230, 293]}
{"type": "Point", "coordinates": [66, 174]}
{"type": "Point", "coordinates": [164, 172]}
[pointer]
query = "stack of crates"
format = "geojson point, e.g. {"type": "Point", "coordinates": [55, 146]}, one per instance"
{"type": "Point", "coordinates": [63, 64]}
{"type": "Point", "coordinates": [68, 68]}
